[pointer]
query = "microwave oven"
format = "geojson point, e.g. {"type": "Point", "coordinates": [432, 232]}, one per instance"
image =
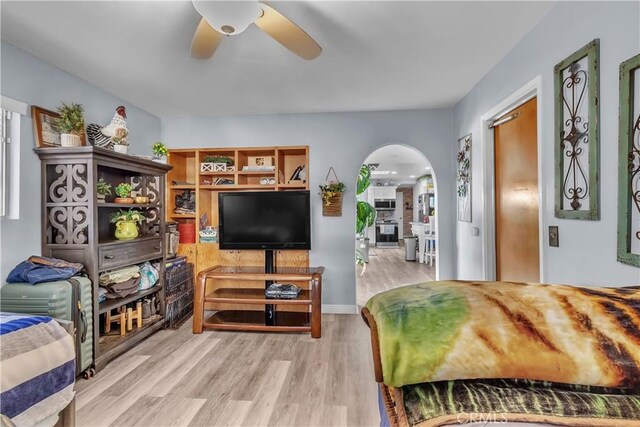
{"type": "Point", "coordinates": [384, 204]}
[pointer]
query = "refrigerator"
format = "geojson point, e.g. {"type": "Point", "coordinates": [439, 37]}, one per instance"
{"type": "Point", "coordinates": [426, 205]}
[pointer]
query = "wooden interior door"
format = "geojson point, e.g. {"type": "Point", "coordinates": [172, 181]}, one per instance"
{"type": "Point", "coordinates": [516, 196]}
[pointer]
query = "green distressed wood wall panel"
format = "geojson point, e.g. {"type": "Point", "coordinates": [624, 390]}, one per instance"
{"type": "Point", "coordinates": [629, 164]}
{"type": "Point", "coordinates": [577, 149]}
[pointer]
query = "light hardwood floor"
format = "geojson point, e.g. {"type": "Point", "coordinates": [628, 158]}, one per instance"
{"type": "Point", "coordinates": [219, 378]}
{"type": "Point", "coordinates": [387, 269]}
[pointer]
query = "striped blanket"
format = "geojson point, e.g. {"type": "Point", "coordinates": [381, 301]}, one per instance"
{"type": "Point", "coordinates": [38, 368]}
{"type": "Point", "coordinates": [509, 400]}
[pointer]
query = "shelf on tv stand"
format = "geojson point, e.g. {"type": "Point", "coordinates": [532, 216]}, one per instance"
{"type": "Point", "coordinates": [254, 296]}
{"type": "Point", "coordinates": [251, 320]}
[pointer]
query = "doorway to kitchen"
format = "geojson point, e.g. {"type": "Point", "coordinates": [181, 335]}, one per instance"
{"type": "Point", "coordinates": [398, 244]}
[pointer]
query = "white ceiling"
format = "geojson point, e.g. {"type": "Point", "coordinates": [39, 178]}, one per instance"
{"type": "Point", "coordinates": [377, 55]}
{"type": "Point", "coordinates": [409, 164]}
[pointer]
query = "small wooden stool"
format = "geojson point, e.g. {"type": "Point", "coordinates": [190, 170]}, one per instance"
{"type": "Point", "coordinates": [137, 315]}
{"type": "Point", "coordinates": [120, 318]}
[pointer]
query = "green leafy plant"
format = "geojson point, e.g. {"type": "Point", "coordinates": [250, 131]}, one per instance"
{"type": "Point", "coordinates": [365, 216]}
{"type": "Point", "coordinates": [329, 190]}
{"type": "Point", "coordinates": [103, 187]}
{"type": "Point", "coordinates": [160, 150]}
{"type": "Point", "coordinates": [218, 159]}
{"type": "Point", "coordinates": [130, 215]}
{"type": "Point", "coordinates": [71, 120]}
{"type": "Point", "coordinates": [123, 189]}
{"type": "Point", "coordinates": [365, 213]}
{"type": "Point", "coordinates": [364, 179]}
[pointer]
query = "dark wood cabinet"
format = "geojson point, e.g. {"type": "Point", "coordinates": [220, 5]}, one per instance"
{"type": "Point", "coordinates": [76, 227]}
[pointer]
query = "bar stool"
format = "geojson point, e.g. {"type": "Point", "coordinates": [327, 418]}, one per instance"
{"type": "Point", "coordinates": [430, 251]}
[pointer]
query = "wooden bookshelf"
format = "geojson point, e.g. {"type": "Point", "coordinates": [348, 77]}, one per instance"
{"type": "Point", "coordinates": [186, 175]}
{"type": "Point", "coordinates": [88, 237]}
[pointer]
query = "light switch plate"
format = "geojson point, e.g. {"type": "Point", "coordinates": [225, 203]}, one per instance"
{"type": "Point", "coordinates": [554, 236]}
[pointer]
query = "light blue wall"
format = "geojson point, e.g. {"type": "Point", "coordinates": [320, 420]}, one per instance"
{"type": "Point", "coordinates": [587, 252]}
{"type": "Point", "coordinates": [341, 140]}
{"type": "Point", "coordinates": [34, 82]}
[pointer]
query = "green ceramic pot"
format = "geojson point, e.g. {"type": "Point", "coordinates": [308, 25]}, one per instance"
{"type": "Point", "coordinates": [126, 230]}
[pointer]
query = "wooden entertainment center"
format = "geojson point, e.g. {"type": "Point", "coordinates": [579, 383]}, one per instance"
{"type": "Point", "coordinates": [237, 277]}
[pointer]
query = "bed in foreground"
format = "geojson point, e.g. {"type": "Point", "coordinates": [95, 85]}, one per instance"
{"type": "Point", "coordinates": [38, 371]}
{"type": "Point", "coordinates": [452, 352]}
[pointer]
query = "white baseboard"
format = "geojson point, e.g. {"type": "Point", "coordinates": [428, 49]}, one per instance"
{"type": "Point", "coordinates": [339, 309]}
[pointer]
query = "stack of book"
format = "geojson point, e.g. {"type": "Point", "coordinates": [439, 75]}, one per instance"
{"type": "Point", "coordinates": [218, 181]}
{"type": "Point", "coordinates": [282, 291]}
{"type": "Point", "coordinates": [254, 168]}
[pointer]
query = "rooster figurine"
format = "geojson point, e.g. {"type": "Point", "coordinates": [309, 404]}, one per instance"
{"type": "Point", "coordinates": [101, 136]}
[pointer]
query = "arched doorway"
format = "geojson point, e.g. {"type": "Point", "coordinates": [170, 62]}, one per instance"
{"type": "Point", "coordinates": [404, 195]}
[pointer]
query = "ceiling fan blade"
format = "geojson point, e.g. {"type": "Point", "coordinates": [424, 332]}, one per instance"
{"type": "Point", "coordinates": [287, 33]}
{"type": "Point", "coordinates": [205, 41]}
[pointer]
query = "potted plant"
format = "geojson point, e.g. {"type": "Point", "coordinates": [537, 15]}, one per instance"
{"type": "Point", "coordinates": [103, 188]}
{"type": "Point", "coordinates": [127, 223]}
{"type": "Point", "coordinates": [216, 164]}
{"type": "Point", "coordinates": [160, 152]}
{"type": "Point", "coordinates": [123, 190]}
{"type": "Point", "coordinates": [121, 141]}
{"type": "Point", "coordinates": [70, 123]}
{"type": "Point", "coordinates": [365, 217]}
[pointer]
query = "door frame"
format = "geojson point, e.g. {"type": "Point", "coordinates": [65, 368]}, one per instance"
{"type": "Point", "coordinates": [415, 196]}
{"type": "Point", "coordinates": [533, 89]}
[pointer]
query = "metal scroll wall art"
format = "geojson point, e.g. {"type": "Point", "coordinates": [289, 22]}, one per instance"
{"type": "Point", "coordinates": [463, 177]}
{"type": "Point", "coordinates": [629, 163]}
{"type": "Point", "coordinates": [577, 135]}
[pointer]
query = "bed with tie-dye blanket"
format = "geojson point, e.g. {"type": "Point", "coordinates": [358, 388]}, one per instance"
{"type": "Point", "coordinates": [37, 369]}
{"type": "Point", "coordinates": [454, 352]}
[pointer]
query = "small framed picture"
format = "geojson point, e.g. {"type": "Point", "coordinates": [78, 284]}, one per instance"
{"type": "Point", "coordinates": [45, 131]}
{"type": "Point", "coordinates": [260, 161]}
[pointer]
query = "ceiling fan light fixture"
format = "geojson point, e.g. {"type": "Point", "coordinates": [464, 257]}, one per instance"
{"type": "Point", "coordinates": [229, 17]}
{"type": "Point", "coordinates": [228, 29]}
{"type": "Point", "coordinates": [218, 18]}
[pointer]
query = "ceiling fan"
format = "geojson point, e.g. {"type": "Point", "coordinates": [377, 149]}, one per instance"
{"type": "Point", "coordinates": [229, 18]}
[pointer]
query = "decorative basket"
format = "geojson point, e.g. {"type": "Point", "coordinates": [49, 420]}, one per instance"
{"type": "Point", "coordinates": [213, 167]}
{"type": "Point", "coordinates": [334, 208]}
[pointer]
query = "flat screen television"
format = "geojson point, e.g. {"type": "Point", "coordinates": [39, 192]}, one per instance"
{"type": "Point", "coordinates": [264, 220]}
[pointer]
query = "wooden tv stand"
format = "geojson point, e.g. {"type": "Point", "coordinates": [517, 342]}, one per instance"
{"type": "Point", "coordinates": [247, 320]}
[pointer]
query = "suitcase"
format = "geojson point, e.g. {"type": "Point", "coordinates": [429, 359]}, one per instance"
{"type": "Point", "coordinates": [69, 300]}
